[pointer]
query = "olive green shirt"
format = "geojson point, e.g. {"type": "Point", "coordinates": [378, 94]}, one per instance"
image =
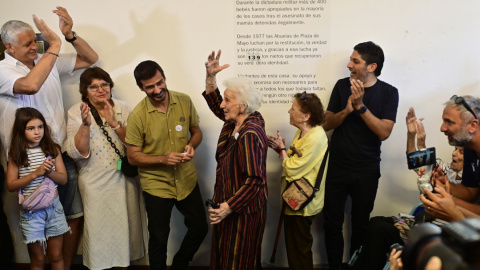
{"type": "Point", "coordinates": [158, 134]}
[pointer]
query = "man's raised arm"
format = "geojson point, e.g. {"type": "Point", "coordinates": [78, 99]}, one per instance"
{"type": "Point", "coordinates": [86, 56]}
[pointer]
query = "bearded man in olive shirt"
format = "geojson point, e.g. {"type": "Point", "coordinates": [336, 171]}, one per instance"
{"type": "Point", "coordinates": [158, 143]}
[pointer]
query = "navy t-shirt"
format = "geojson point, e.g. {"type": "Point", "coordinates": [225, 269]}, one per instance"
{"type": "Point", "coordinates": [471, 169]}
{"type": "Point", "coordinates": [353, 144]}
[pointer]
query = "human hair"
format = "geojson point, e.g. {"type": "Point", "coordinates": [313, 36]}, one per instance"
{"type": "Point", "coordinates": [371, 53]}
{"type": "Point", "coordinates": [11, 29]}
{"type": "Point", "coordinates": [146, 70]}
{"type": "Point", "coordinates": [311, 104]}
{"type": "Point", "coordinates": [245, 92]}
{"type": "Point", "coordinates": [19, 144]}
{"type": "Point", "coordinates": [88, 76]}
{"type": "Point", "coordinates": [474, 104]}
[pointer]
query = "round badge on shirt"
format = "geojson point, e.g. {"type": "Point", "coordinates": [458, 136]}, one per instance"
{"type": "Point", "coordinates": [178, 128]}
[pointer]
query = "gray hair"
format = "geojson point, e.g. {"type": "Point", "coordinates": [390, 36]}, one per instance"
{"type": "Point", "coordinates": [11, 29]}
{"type": "Point", "coordinates": [245, 92]}
{"type": "Point", "coordinates": [474, 104]}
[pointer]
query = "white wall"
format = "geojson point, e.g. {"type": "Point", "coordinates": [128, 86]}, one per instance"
{"type": "Point", "coordinates": [431, 53]}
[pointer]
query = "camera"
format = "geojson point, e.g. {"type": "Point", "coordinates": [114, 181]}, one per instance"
{"type": "Point", "coordinates": [457, 244]}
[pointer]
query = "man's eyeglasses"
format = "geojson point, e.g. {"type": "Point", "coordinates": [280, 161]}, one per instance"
{"type": "Point", "coordinates": [460, 100]}
{"type": "Point", "coordinates": [95, 88]}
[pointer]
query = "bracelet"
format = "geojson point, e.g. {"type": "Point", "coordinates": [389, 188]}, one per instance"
{"type": "Point", "coordinates": [280, 153]}
{"type": "Point", "coordinates": [215, 82]}
{"type": "Point", "coordinates": [52, 53]}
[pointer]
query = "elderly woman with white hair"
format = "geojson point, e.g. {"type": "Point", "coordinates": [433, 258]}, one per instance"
{"type": "Point", "coordinates": [241, 184]}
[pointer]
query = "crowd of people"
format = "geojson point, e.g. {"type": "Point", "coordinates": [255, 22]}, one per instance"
{"type": "Point", "coordinates": [80, 160]}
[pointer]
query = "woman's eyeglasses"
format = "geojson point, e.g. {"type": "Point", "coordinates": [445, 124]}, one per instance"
{"type": "Point", "coordinates": [94, 88]}
{"type": "Point", "coordinates": [460, 100]}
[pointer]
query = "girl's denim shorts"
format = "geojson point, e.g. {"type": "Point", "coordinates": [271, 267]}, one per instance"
{"type": "Point", "coordinates": [43, 224]}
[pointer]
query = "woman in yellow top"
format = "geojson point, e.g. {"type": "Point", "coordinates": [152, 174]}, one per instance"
{"type": "Point", "coordinates": [303, 159]}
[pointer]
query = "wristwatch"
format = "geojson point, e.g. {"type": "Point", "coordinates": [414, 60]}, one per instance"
{"type": "Point", "coordinates": [362, 109]}
{"type": "Point", "coordinates": [71, 40]}
{"type": "Point", "coordinates": [120, 124]}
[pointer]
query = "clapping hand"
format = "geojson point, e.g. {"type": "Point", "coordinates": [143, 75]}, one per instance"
{"type": "Point", "coordinates": [109, 114]}
{"type": "Point", "coordinates": [276, 143]}
{"type": "Point", "coordinates": [65, 21]}
{"type": "Point", "coordinates": [47, 33]}
{"type": "Point", "coordinates": [85, 113]}
{"type": "Point", "coordinates": [415, 127]}
{"type": "Point", "coordinates": [358, 91]}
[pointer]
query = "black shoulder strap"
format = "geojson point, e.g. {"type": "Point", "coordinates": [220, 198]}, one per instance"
{"type": "Point", "coordinates": [99, 122]}
{"type": "Point", "coordinates": [322, 169]}
{"type": "Point", "coordinates": [95, 114]}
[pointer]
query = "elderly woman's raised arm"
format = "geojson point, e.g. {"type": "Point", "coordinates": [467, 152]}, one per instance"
{"type": "Point", "coordinates": [212, 67]}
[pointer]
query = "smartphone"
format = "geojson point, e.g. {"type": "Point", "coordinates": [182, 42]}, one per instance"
{"type": "Point", "coordinates": [212, 203]}
{"type": "Point", "coordinates": [421, 158]}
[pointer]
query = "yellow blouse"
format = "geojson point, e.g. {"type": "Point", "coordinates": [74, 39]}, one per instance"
{"type": "Point", "coordinates": [313, 146]}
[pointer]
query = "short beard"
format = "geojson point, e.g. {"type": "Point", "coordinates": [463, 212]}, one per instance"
{"type": "Point", "coordinates": [461, 139]}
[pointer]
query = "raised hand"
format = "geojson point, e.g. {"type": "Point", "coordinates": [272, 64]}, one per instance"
{"type": "Point", "coordinates": [212, 66]}
{"type": "Point", "coordinates": [411, 120]}
{"type": "Point", "coordinates": [47, 33]}
{"type": "Point", "coordinates": [421, 135]}
{"type": "Point", "coordinates": [109, 114]}
{"type": "Point", "coordinates": [85, 113]}
{"type": "Point", "coordinates": [65, 21]}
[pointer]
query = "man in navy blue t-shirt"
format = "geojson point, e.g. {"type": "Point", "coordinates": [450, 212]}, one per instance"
{"type": "Point", "coordinates": [461, 126]}
{"type": "Point", "coordinates": [362, 110]}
